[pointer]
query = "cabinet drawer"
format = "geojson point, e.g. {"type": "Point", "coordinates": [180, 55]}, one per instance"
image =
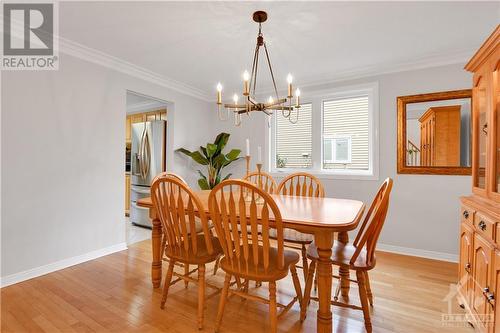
{"type": "Point", "coordinates": [484, 225]}
{"type": "Point", "coordinates": [466, 214]}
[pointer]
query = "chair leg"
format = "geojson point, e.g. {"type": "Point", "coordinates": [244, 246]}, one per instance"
{"type": "Point", "coordinates": [296, 283]}
{"type": "Point", "coordinates": [273, 307]}
{"type": "Point", "coordinates": [166, 284]}
{"type": "Point", "coordinates": [304, 261]}
{"type": "Point", "coordinates": [216, 265]}
{"type": "Point", "coordinates": [364, 300]}
{"type": "Point", "coordinates": [222, 301]}
{"type": "Point", "coordinates": [201, 294]}
{"type": "Point", "coordinates": [368, 288]}
{"type": "Point", "coordinates": [186, 272]}
{"type": "Point", "coordinates": [307, 291]}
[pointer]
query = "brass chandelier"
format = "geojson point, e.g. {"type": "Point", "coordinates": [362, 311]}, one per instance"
{"type": "Point", "coordinates": [250, 104]}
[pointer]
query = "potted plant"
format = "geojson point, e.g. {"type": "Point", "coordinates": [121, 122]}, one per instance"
{"type": "Point", "coordinates": [213, 157]}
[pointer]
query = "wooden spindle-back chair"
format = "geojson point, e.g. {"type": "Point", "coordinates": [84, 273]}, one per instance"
{"type": "Point", "coordinates": [238, 208]}
{"type": "Point", "coordinates": [306, 185]}
{"type": "Point", "coordinates": [263, 180]}
{"type": "Point", "coordinates": [358, 256]}
{"type": "Point", "coordinates": [301, 184]}
{"type": "Point", "coordinates": [164, 237]}
{"type": "Point", "coordinates": [175, 205]}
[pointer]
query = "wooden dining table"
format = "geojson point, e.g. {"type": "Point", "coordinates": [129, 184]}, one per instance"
{"type": "Point", "coordinates": [321, 217]}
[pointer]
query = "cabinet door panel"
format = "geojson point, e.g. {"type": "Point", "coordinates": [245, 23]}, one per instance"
{"type": "Point", "coordinates": [483, 252]}
{"type": "Point", "coordinates": [481, 116]}
{"type": "Point", "coordinates": [496, 291]}
{"type": "Point", "coordinates": [465, 265]}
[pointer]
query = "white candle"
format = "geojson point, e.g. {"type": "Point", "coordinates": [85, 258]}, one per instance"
{"type": "Point", "coordinates": [259, 154]}
{"type": "Point", "coordinates": [248, 147]}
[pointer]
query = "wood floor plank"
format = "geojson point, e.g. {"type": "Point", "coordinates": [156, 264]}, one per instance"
{"type": "Point", "coordinates": [114, 294]}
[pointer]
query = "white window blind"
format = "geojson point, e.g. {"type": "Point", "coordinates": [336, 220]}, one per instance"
{"type": "Point", "coordinates": [294, 141]}
{"type": "Point", "coordinates": [346, 133]}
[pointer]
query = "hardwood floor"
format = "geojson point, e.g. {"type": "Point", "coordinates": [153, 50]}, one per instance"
{"type": "Point", "coordinates": [114, 294]}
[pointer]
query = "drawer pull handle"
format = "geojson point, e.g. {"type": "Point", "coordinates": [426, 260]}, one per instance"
{"type": "Point", "coordinates": [486, 290]}
{"type": "Point", "coordinates": [466, 214]}
{"type": "Point", "coordinates": [482, 225]}
{"type": "Point", "coordinates": [467, 267]}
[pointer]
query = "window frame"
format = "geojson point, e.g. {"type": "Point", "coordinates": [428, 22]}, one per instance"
{"type": "Point", "coordinates": [317, 99]}
{"type": "Point", "coordinates": [333, 139]}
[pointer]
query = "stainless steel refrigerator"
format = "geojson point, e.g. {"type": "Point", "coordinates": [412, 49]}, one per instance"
{"type": "Point", "coordinates": [148, 160]}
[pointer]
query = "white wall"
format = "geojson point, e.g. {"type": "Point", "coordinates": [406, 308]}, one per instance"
{"type": "Point", "coordinates": [424, 209]}
{"type": "Point", "coordinates": [63, 159]}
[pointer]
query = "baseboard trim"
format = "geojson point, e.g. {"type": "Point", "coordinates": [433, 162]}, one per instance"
{"type": "Point", "coordinates": [58, 265]}
{"type": "Point", "coordinates": [418, 252]}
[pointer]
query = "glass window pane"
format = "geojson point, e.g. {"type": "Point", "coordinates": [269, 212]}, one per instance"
{"type": "Point", "coordinates": [294, 141]}
{"type": "Point", "coordinates": [327, 150]}
{"type": "Point", "coordinates": [344, 118]}
{"type": "Point", "coordinates": [342, 150]}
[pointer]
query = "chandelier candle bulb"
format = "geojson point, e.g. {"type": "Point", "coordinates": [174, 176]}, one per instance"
{"type": "Point", "coordinates": [219, 93]}
{"type": "Point", "coordinates": [297, 94]}
{"type": "Point", "coordinates": [259, 154]}
{"type": "Point", "coordinates": [246, 88]}
{"type": "Point", "coordinates": [270, 100]}
{"type": "Point", "coordinates": [235, 99]}
{"type": "Point", "coordinates": [289, 79]}
{"type": "Point", "coordinates": [248, 146]}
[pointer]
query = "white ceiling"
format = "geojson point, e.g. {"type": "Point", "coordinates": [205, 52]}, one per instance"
{"type": "Point", "coordinates": [200, 43]}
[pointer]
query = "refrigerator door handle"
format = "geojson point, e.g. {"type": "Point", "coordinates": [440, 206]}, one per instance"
{"type": "Point", "coordinates": [141, 153]}
{"type": "Point", "coordinates": [147, 153]}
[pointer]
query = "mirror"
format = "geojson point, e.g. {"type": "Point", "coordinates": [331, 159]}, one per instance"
{"type": "Point", "coordinates": [434, 133]}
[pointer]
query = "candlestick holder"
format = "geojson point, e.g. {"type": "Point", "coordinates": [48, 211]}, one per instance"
{"type": "Point", "coordinates": [247, 158]}
{"type": "Point", "coordinates": [259, 200]}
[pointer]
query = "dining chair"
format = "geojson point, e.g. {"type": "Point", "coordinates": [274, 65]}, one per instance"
{"type": "Point", "coordinates": [175, 205]}
{"type": "Point", "coordinates": [263, 180]}
{"type": "Point", "coordinates": [306, 185]}
{"type": "Point", "coordinates": [235, 205]}
{"type": "Point", "coordinates": [164, 237]}
{"type": "Point", "coordinates": [358, 256]}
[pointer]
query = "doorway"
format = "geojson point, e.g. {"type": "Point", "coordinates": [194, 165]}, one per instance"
{"type": "Point", "coordinates": [145, 140]}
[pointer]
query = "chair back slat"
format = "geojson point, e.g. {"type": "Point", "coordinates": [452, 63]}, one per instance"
{"type": "Point", "coordinates": [263, 180]}
{"type": "Point", "coordinates": [176, 204]}
{"type": "Point", "coordinates": [246, 239]}
{"type": "Point", "coordinates": [373, 222]}
{"type": "Point", "coordinates": [301, 184]}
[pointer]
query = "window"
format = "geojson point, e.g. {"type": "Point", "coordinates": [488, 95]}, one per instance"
{"type": "Point", "coordinates": [347, 119]}
{"type": "Point", "coordinates": [336, 135]}
{"type": "Point", "coordinates": [294, 141]}
{"type": "Point", "coordinates": [337, 150]}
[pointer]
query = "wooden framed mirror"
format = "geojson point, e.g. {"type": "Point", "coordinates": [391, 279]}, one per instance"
{"type": "Point", "coordinates": [435, 133]}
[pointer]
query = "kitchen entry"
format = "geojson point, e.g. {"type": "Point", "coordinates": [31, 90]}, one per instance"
{"type": "Point", "coordinates": [145, 157]}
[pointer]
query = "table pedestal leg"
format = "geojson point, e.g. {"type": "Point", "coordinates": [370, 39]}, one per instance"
{"type": "Point", "coordinates": [343, 237]}
{"type": "Point", "coordinates": [156, 234]}
{"type": "Point", "coordinates": [324, 242]}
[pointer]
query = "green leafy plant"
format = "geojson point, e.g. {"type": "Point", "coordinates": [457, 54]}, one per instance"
{"type": "Point", "coordinates": [213, 157]}
{"type": "Point", "coordinates": [280, 161]}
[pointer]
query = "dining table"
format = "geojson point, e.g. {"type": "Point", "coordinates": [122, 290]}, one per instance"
{"type": "Point", "coordinates": [321, 217]}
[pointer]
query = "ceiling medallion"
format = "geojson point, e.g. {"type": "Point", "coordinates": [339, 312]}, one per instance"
{"type": "Point", "coordinates": [250, 103]}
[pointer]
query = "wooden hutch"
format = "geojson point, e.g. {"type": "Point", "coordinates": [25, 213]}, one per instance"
{"type": "Point", "coordinates": [479, 269]}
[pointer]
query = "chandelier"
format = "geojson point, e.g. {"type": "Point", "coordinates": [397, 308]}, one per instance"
{"type": "Point", "coordinates": [250, 103]}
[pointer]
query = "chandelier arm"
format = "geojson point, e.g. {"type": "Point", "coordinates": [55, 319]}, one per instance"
{"type": "Point", "coordinates": [256, 68]}
{"type": "Point", "coordinates": [271, 70]}
{"type": "Point", "coordinates": [296, 118]}
{"type": "Point", "coordinates": [255, 56]}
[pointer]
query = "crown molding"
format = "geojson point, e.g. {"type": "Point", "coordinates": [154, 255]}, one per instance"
{"type": "Point", "coordinates": [92, 55]}
{"type": "Point", "coordinates": [430, 61]}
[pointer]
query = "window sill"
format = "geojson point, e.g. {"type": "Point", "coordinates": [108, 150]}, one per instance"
{"type": "Point", "coordinates": [350, 175]}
